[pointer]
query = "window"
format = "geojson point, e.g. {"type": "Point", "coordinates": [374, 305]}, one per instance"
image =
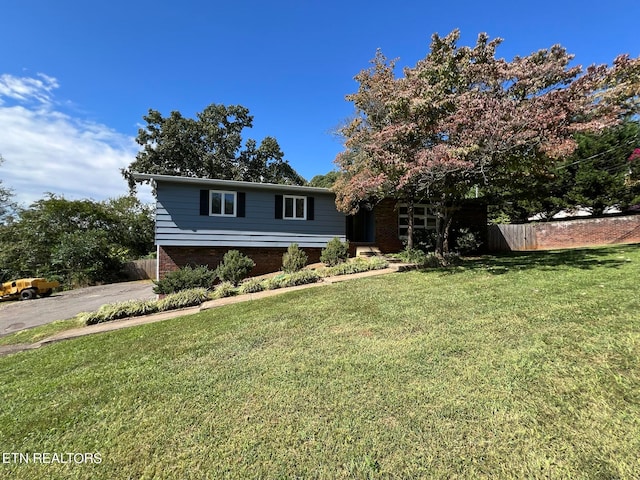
{"type": "Point", "coordinates": [295, 208]}
{"type": "Point", "coordinates": [223, 203]}
{"type": "Point", "coordinates": [423, 218]}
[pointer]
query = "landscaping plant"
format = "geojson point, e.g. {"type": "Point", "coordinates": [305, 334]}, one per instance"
{"type": "Point", "coordinates": [335, 252]}
{"type": "Point", "coordinates": [294, 259]}
{"type": "Point", "coordinates": [185, 278]}
{"type": "Point", "coordinates": [234, 267]}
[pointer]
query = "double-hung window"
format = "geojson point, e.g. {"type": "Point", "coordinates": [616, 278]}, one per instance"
{"type": "Point", "coordinates": [295, 208]}
{"type": "Point", "coordinates": [223, 204]}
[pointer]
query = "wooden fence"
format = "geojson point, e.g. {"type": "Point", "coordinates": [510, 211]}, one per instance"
{"type": "Point", "coordinates": [501, 238]}
{"type": "Point", "coordinates": [141, 269]}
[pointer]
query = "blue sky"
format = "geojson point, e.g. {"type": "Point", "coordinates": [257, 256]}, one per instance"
{"type": "Point", "coordinates": [76, 77]}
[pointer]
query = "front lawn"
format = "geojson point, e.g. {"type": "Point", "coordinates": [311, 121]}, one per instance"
{"type": "Point", "coordinates": [524, 366]}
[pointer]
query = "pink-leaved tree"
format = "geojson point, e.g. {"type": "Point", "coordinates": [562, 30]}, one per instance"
{"type": "Point", "coordinates": [461, 117]}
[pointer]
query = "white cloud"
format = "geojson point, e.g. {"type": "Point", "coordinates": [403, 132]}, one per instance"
{"type": "Point", "coordinates": [26, 88]}
{"type": "Point", "coordinates": [46, 150]}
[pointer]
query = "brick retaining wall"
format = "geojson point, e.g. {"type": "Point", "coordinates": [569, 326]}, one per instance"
{"type": "Point", "coordinates": [587, 232]}
{"type": "Point", "coordinates": [267, 259]}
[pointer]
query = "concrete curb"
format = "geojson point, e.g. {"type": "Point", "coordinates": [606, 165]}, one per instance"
{"type": "Point", "coordinates": [158, 317]}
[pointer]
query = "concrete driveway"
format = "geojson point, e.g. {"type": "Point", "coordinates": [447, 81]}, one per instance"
{"type": "Point", "coordinates": [19, 315]}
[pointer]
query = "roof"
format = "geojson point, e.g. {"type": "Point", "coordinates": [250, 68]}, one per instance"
{"type": "Point", "coordinates": [217, 183]}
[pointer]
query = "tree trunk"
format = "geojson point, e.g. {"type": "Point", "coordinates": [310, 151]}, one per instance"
{"type": "Point", "coordinates": [439, 231]}
{"type": "Point", "coordinates": [410, 224]}
{"type": "Point", "coordinates": [448, 218]}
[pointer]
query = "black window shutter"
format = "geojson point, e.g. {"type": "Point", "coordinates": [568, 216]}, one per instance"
{"type": "Point", "coordinates": [241, 204]}
{"type": "Point", "coordinates": [204, 202]}
{"type": "Point", "coordinates": [310, 208]}
{"type": "Point", "coordinates": [279, 201]}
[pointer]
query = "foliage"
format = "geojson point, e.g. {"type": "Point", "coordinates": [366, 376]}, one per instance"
{"type": "Point", "coordinates": [225, 289]}
{"type": "Point", "coordinates": [412, 255]}
{"type": "Point", "coordinates": [116, 311]}
{"type": "Point", "coordinates": [285, 280]}
{"type": "Point", "coordinates": [234, 267]}
{"type": "Point", "coordinates": [425, 239]}
{"type": "Point", "coordinates": [86, 257]}
{"type": "Point", "coordinates": [467, 241]}
{"type": "Point", "coordinates": [135, 308]}
{"type": "Point", "coordinates": [335, 252]}
{"type": "Point", "coordinates": [209, 146]}
{"type": "Point", "coordinates": [356, 265]}
{"type": "Point", "coordinates": [75, 240]}
{"type": "Point", "coordinates": [294, 259]}
{"type": "Point", "coordinates": [597, 176]}
{"type": "Point", "coordinates": [424, 259]}
{"type": "Point", "coordinates": [184, 278]}
{"type": "Point", "coordinates": [252, 285]}
{"type": "Point", "coordinates": [7, 206]}
{"type": "Point", "coordinates": [183, 299]}
{"type": "Point", "coordinates": [325, 181]}
{"type": "Point", "coordinates": [462, 117]}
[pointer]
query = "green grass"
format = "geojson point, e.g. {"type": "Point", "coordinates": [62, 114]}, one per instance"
{"type": "Point", "coordinates": [35, 334]}
{"type": "Point", "coordinates": [524, 366]}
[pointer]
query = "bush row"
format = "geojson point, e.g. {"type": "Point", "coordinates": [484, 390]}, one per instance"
{"type": "Point", "coordinates": [136, 308]}
{"type": "Point", "coordinates": [427, 260]}
{"type": "Point", "coordinates": [235, 266]}
{"type": "Point", "coordinates": [196, 296]}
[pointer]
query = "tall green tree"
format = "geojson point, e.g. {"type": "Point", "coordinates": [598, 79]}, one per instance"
{"type": "Point", "coordinates": [325, 181]}
{"type": "Point", "coordinates": [463, 117]}
{"type": "Point", "coordinates": [209, 146]}
{"type": "Point", "coordinates": [597, 176]}
{"type": "Point", "coordinates": [7, 206]}
{"type": "Point", "coordinates": [600, 169]}
{"type": "Point", "coordinates": [79, 241]}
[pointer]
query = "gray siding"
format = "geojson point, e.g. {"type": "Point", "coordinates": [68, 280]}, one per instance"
{"type": "Point", "coordinates": [179, 223]}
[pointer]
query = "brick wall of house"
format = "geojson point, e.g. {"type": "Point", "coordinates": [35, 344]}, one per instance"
{"type": "Point", "coordinates": [386, 226]}
{"type": "Point", "coordinates": [587, 232]}
{"type": "Point", "coordinates": [267, 259]}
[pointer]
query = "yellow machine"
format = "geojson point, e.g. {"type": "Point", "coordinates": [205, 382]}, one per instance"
{"type": "Point", "coordinates": [27, 288]}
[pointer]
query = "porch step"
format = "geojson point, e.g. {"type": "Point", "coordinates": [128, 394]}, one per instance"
{"type": "Point", "coordinates": [368, 251]}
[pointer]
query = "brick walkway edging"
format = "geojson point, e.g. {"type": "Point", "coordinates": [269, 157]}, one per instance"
{"type": "Point", "coordinates": [158, 317]}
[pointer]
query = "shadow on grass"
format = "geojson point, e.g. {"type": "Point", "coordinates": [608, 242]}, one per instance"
{"type": "Point", "coordinates": [582, 258]}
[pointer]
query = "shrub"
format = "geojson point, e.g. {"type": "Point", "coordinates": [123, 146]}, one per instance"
{"type": "Point", "coordinates": [413, 255]}
{"type": "Point", "coordinates": [116, 311]}
{"type": "Point", "coordinates": [302, 277]}
{"type": "Point", "coordinates": [185, 278]}
{"type": "Point", "coordinates": [294, 259]}
{"type": "Point", "coordinates": [225, 289]}
{"type": "Point", "coordinates": [358, 265]}
{"type": "Point", "coordinates": [234, 267]}
{"type": "Point", "coordinates": [335, 252]}
{"type": "Point", "coordinates": [284, 280]}
{"type": "Point", "coordinates": [252, 285]}
{"type": "Point", "coordinates": [467, 241]}
{"type": "Point", "coordinates": [425, 240]}
{"type": "Point", "coordinates": [183, 299]}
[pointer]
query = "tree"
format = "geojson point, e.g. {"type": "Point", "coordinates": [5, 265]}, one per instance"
{"type": "Point", "coordinates": [596, 176]}
{"type": "Point", "coordinates": [600, 169]}
{"type": "Point", "coordinates": [80, 241]}
{"type": "Point", "coordinates": [209, 146]}
{"type": "Point", "coordinates": [7, 207]}
{"type": "Point", "coordinates": [462, 117]}
{"type": "Point", "coordinates": [325, 181]}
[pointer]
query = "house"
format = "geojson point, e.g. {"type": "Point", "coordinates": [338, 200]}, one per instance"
{"type": "Point", "coordinates": [198, 220]}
